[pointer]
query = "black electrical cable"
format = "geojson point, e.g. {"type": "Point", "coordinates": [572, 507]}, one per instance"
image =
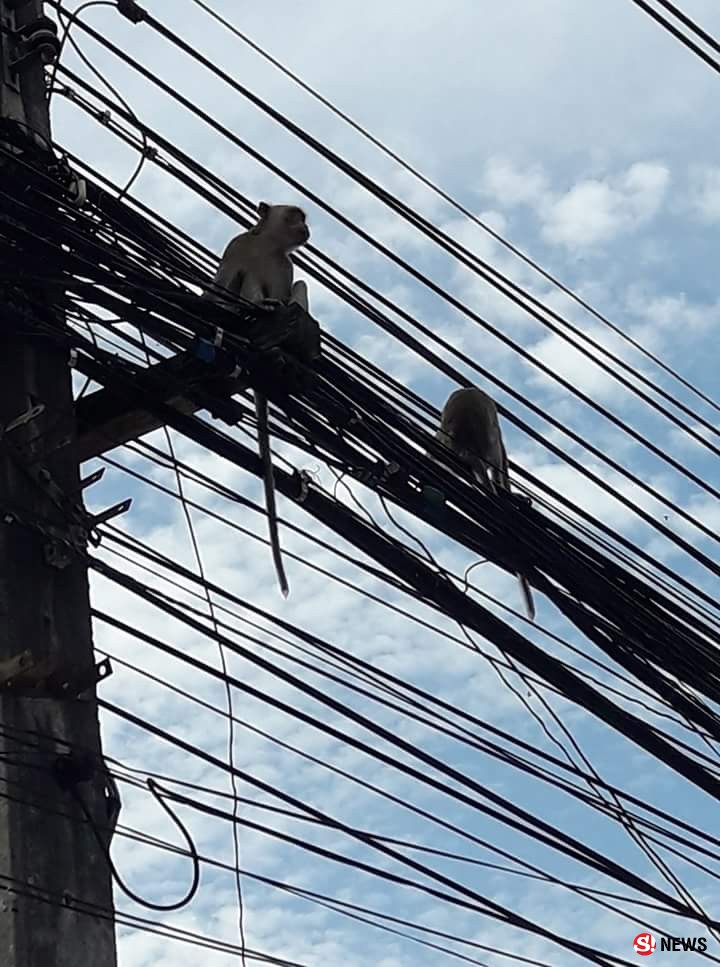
{"type": "Point", "coordinates": [458, 830]}
{"type": "Point", "coordinates": [337, 905]}
{"type": "Point", "coordinates": [438, 290]}
{"type": "Point", "coordinates": [556, 837]}
{"type": "Point", "coordinates": [691, 24]}
{"type": "Point", "coordinates": [394, 685]}
{"type": "Point", "coordinates": [467, 899]}
{"type": "Point", "coordinates": [683, 840]}
{"type": "Point", "coordinates": [457, 205]}
{"type": "Point", "coordinates": [509, 288]}
{"type": "Point", "coordinates": [593, 778]}
{"type": "Point", "coordinates": [678, 34]}
{"type": "Point", "coordinates": [66, 36]}
{"type": "Point", "coordinates": [434, 628]}
{"type": "Point", "coordinates": [142, 901]}
{"type": "Point", "coordinates": [422, 350]}
{"type": "Point", "coordinates": [71, 19]}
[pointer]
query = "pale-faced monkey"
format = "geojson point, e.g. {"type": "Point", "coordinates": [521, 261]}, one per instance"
{"type": "Point", "coordinates": [256, 266]}
{"type": "Point", "coordinates": [470, 427]}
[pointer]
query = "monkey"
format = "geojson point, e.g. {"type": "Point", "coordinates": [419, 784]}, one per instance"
{"type": "Point", "coordinates": [469, 426]}
{"type": "Point", "coordinates": [256, 266]}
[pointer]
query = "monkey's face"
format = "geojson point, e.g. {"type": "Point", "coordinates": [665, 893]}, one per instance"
{"type": "Point", "coordinates": [285, 224]}
{"type": "Point", "coordinates": [295, 225]}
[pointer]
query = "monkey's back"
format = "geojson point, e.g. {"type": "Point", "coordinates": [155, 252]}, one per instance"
{"type": "Point", "coordinates": [470, 420]}
{"type": "Point", "coordinates": [251, 269]}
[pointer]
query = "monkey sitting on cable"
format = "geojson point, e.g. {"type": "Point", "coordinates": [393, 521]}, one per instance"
{"type": "Point", "coordinates": [256, 266]}
{"type": "Point", "coordinates": [469, 426]}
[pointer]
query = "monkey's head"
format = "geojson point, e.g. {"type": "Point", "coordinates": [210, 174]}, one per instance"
{"type": "Point", "coordinates": [282, 224]}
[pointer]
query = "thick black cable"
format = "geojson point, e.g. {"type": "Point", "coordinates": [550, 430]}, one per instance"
{"type": "Point", "coordinates": [449, 826]}
{"type": "Point", "coordinates": [688, 844]}
{"type": "Point", "coordinates": [469, 899]}
{"type": "Point", "coordinates": [593, 778]}
{"type": "Point", "coordinates": [334, 904]}
{"type": "Point", "coordinates": [323, 646]}
{"type": "Point", "coordinates": [457, 205]}
{"type": "Point", "coordinates": [135, 897]}
{"type": "Point", "coordinates": [510, 289]}
{"type": "Point", "coordinates": [347, 223]}
{"type": "Point", "coordinates": [439, 363]}
{"type": "Point", "coordinates": [542, 829]}
{"type": "Point", "coordinates": [393, 684]}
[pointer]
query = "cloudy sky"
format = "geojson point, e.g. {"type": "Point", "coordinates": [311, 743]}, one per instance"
{"type": "Point", "coordinates": [586, 135]}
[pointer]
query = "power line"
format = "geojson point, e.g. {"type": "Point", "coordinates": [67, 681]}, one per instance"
{"type": "Point", "coordinates": [453, 202]}
{"type": "Point", "coordinates": [467, 899]}
{"type": "Point", "coordinates": [422, 350]}
{"type": "Point", "coordinates": [397, 260]}
{"type": "Point", "coordinates": [678, 34]}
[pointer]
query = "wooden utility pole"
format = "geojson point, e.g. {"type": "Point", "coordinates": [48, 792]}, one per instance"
{"type": "Point", "coordinates": [56, 905]}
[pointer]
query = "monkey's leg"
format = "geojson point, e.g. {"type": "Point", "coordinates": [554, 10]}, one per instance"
{"type": "Point", "coordinates": [527, 596]}
{"type": "Point", "coordinates": [261, 412]}
{"type": "Point", "coordinates": [299, 294]}
{"type": "Point", "coordinates": [251, 289]}
{"type": "Point", "coordinates": [480, 472]}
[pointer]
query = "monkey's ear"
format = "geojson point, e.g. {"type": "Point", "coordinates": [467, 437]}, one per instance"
{"type": "Point", "coordinates": [263, 208]}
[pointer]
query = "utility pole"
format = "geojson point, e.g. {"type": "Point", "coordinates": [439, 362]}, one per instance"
{"type": "Point", "coordinates": [56, 907]}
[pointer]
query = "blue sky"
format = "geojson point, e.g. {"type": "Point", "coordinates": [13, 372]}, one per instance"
{"type": "Point", "coordinates": [587, 136]}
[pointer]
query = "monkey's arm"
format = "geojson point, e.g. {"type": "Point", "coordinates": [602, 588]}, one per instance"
{"type": "Point", "coordinates": [299, 294]}
{"type": "Point", "coordinates": [235, 271]}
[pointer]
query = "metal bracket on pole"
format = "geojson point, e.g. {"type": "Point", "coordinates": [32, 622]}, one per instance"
{"type": "Point", "coordinates": [92, 478]}
{"type": "Point", "coordinates": [31, 413]}
{"type": "Point", "coordinates": [22, 675]}
{"type": "Point", "coordinates": [35, 40]}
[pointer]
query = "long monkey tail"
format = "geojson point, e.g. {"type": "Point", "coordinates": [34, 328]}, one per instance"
{"type": "Point", "coordinates": [502, 480]}
{"type": "Point", "coordinates": [527, 596]}
{"type": "Point", "coordinates": [261, 412]}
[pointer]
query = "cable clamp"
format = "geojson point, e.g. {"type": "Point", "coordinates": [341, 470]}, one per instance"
{"type": "Point", "coordinates": [380, 473]}
{"type": "Point", "coordinates": [73, 360]}
{"type": "Point", "coordinates": [301, 479]}
{"type": "Point", "coordinates": [219, 335]}
{"type": "Point", "coordinates": [77, 189]}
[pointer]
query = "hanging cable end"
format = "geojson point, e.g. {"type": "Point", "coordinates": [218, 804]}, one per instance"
{"type": "Point", "coordinates": [132, 10]}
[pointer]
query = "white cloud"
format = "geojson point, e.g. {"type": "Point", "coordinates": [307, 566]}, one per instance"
{"type": "Point", "coordinates": [705, 193]}
{"type": "Point", "coordinates": [511, 186]}
{"type": "Point", "coordinates": [438, 89]}
{"type": "Point", "coordinates": [594, 212]}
